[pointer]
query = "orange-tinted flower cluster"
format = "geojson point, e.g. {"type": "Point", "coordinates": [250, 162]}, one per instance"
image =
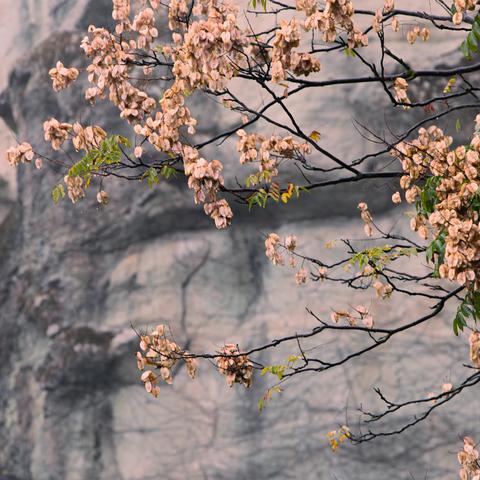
{"type": "Point", "coordinates": [203, 176]}
{"type": "Point", "coordinates": [56, 132]}
{"type": "Point", "coordinates": [163, 130]}
{"type": "Point", "coordinates": [366, 216]}
{"type": "Point", "coordinates": [22, 153]}
{"type": "Point", "coordinates": [210, 51]}
{"type": "Point", "coordinates": [158, 352]}
{"type": "Point", "coordinates": [220, 212]}
{"type": "Point", "coordinates": [474, 341]}
{"type": "Point", "coordinates": [109, 71]}
{"type": "Point", "coordinates": [86, 138]}
{"type": "Point", "coordinates": [395, 24]}
{"type": "Point", "coordinates": [337, 13]}
{"type": "Point", "coordinates": [462, 6]}
{"type": "Point", "coordinates": [301, 276]}
{"type": "Point", "coordinates": [400, 88]}
{"type": "Point", "coordinates": [383, 290]}
{"type": "Point", "coordinates": [469, 460]}
{"type": "Point", "coordinates": [121, 14]}
{"type": "Point", "coordinates": [75, 187]}
{"type": "Point", "coordinates": [360, 314]}
{"type": "Point", "coordinates": [144, 25]}
{"type": "Point", "coordinates": [272, 251]}
{"type": "Point", "coordinates": [235, 366]}
{"type": "Point", "coordinates": [177, 10]}
{"type": "Point", "coordinates": [377, 20]}
{"type": "Point", "coordinates": [62, 77]}
{"type": "Point", "coordinates": [272, 244]}
{"type": "Point", "coordinates": [83, 138]}
{"type": "Point", "coordinates": [204, 57]}
{"type": "Point", "coordinates": [266, 151]}
{"type": "Point", "coordinates": [388, 6]}
{"type": "Point", "coordinates": [287, 37]}
{"type": "Point", "coordinates": [457, 171]}
{"type": "Point", "coordinates": [416, 32]}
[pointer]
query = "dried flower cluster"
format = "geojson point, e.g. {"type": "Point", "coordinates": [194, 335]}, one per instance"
{"type": "Point", "coordinates": [284, 58]}
{"type": "Point", "coordinates": [336, 15]}
{"type": "Point", "coordinates": [160, 353]}
{"type": "Point", "coordinates": [360, 314]}
{"type": "Point", "coordinates": [144, 25]}
{"type": "Point", "coordinates": [273, 251]}
{"type": "Point", "coordinates": [388, 6]}
{"type": "Point", "coordinates": [474, 341]}
{"type": "Point", "coordinates": [235, 366]}
{"type": "Point", "coordinates": [86, 138]}
{"type": "Point", "coordinates": [416, 32]}
{"type": "Point", "coordinates": [121, 14]}
{"type": "Point", "coordinates": [109, 71]}
{"type": "Point", "coordinates": [462, 6]}
{"type": "Point", "coordinates": [220, 212]}
{"type": "Point", "coordinates": [395, 24]}
{"type": "Point", "coordinates": [56, 132]}
{"type": "Point", "coordinates": [383, 290]}
{"type": "Point", "coordinates": [469, 460]}
{"type": "Point", "coordinates": [75, 187]}
{"type": "Point", "coordinates": [446, 388]}
{"type": "Point", "coordinates": [272, 245]}
{"type": "Point", "coordinates": [22, 153]}
{"type": "Point", "coordinates": [102, 197]}
{"type": "Point", "coordinates": [377, 20]}
{"type": "Point", "coordinates": [62, 77]}
{"type": "Point", "coordinates": [267, 151]}
{"type": "Point", "coordinates": [400, 88]}
{"type": "Point", "coordinates": [366, 216]}
{"type": "Point", "coordinates": [83, 138]}
{"type": "Point", "coordinates": [453, 215]}
{"type": "Point", "coordinates": [211, 50]}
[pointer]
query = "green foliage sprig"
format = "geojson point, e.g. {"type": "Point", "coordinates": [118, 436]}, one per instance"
{"type": "Point", "coordinates": [470, 45]}
{"type": "Point", "coordinates": [469, 308]}
{"type": "Point", "coordinates": [108, 153]}
{"type": "Point", "coordinates": [379, 257]}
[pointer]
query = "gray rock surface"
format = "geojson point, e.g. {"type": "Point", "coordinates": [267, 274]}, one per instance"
{"type": "Point", "coordinates": [74, 278]}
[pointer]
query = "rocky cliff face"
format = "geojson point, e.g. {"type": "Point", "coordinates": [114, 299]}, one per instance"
{"type": "Point", "coordinates": [74, 279]}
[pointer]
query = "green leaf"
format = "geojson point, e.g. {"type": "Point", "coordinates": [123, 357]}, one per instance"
{"type": "Point", "coordinates": [277, 370]}
{"type": "Point", "coordinates": [476, 28]}
{"type": "Point", "coordinates": [458, 125]}
{"type": "Point", "coordinates": [58, 192]}
{"type": "Point", "coordinates": [107, 153]}
{"type": "Point", "coordinates": [152, 177]}
{"type": "Point", "coordinates": [472, 43]}
{"type": "Point", "coordinates": [468, 308]}
{"type": "Point", "coordinates": [168, 172]}
{"type": "Point", "coordinates": [466, 52]}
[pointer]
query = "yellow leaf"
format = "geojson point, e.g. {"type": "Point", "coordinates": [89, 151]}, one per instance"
{"type": "Point", "coordinates": [330, 244]}
{"type": "Point", "coordinates": [315, 136]}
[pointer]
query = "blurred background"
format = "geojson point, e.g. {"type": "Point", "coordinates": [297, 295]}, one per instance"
{"type": "Point", "coordinates": [75, 278]}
